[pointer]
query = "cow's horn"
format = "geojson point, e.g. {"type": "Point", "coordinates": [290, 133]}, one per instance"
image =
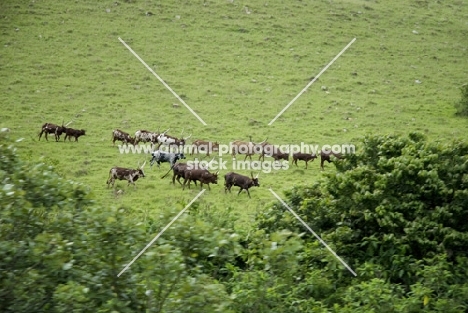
{"type": "Point", "coordinates": [264, 141]}
{"type": "Point", "coordinates": [188, 137]}
{"type": "Point", "coordinates": [217, 172]}
{"type": "Point", "coordinates": [143, 165]}
{"type": "Point", "coordinates": [68, 123]}
{"type": "Point", "coordinates": [182, 132]}
{"type": "Point", "coordinates": [257, 175]}
{"type": "Point", "coordinates": [164, 132]}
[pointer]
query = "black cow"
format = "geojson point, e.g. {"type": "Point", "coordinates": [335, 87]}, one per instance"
{"type": "Point", "coordinates": [128, 174]}
{"type": "Point", "coordinates": [303, 157]}
{"type": "Point", "coordinates": [244, 182]}
{"type": "Point", "coordinates": [49, 128]}
{"type": "Point", "coordinates": [201, 175]}
{"type": "Point", "coordinates": [162, 157]}
{"type": "Point", "coordinates": [119, 135]}
{"type": "Point", "coordinates": [274, 152]}
{"type": "Point", "coordinates": [70, 132]}
{"type": "Point", "coordinates": [326, 156]}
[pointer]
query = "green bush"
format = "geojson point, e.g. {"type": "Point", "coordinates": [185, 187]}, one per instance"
{"type": "Point", "coordinates": [462, 105]}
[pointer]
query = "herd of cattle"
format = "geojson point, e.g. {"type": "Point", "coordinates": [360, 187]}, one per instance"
{"type": "Point", "coordinates": [183, 170]}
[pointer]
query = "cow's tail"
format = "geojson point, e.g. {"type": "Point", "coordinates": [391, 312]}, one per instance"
{"type": "Point", "coordinates": [162, 177]}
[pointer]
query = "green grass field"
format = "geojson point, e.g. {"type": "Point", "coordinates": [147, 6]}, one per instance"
{"type": "Point", "coordinates": [237, 64]}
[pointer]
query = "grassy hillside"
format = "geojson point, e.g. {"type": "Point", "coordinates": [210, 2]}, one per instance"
{"type": "Point", "coordinates": [237, 64]}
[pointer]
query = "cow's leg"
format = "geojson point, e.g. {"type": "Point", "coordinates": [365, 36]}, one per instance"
{"type": "Point", "coordinates": [248, 192]}
{"type": "Point", "coordinates": [307, 161]}
{"type": "Point", "coordinates": [295, 161]}
{"type": "Point", "coordinates": [178, 179]}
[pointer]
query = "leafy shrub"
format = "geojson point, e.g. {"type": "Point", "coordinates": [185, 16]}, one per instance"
{"type": "Point", "coordinates": [462, 105]}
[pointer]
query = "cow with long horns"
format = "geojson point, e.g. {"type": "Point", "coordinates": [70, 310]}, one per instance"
{"type": "Point", "coordinates": [49, 128]}
{"type": "Point", "coordinates": [146, 136]}
{"type": "Point", "coordinates": [118, 135]}
{"type": "Point", "coordinates": [159, 157]}
{"type": "Point", "coordinates": [128, 174]}
{"type": "Point", "coordinates": [171, 141]}
{"type": "Point", "coordinates": [244, 182]}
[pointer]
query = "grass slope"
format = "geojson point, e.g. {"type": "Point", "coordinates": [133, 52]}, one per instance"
{"type": "Point", "coordinates": [237, 64]}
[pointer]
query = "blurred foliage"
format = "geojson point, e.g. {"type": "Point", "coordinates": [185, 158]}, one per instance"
{"type": "Point", "coordinates": [59, 252]}
{"type": "Point", "coordinates": [462, 104]}
{"type": "Point", "coordinates": [396, 213]}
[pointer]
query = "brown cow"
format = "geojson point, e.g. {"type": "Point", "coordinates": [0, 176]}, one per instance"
{"type": "Point", "coordinates": [201, 175]}
{"type": "Point", "coordinates": [303, 157]}
{"type": "Point", "coordinates": [205, 146]}
{"type": "Point", "coordinates": [70, 132]}
{"type": "Point", "coordinates": [49, 128]}
{"type": "Point", "coordinates": [119, 135]}
{"type": "Point", "coordinates": [179, 170]}
{"type": "Point", "coordinates": [248, 148]}
{"type": "Point", "coordinates": [128, 174]}
{"type": "Point", "coordinates": [326, 156]}
{"type": "Point", "coordinates": [274, 152]}
{"type": "Point", "coordinates": [244, 182]}
{"type": "Point", "coordinates": [146, 136]}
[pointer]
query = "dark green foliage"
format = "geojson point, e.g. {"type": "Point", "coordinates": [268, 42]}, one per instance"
{"type": "Point", "coordinates": [462, 104]}
{"type": "Point", "coordinates": [58, 252]}
{"type": "Point", "coordinates": [396, 211]}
